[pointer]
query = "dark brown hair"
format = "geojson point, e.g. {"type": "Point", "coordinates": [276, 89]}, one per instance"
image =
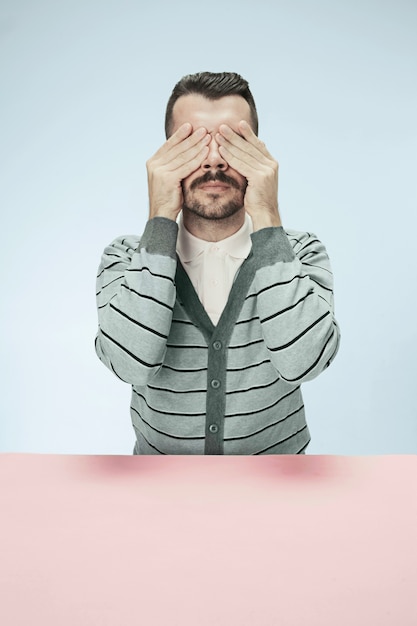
{"type": "Point", "coordinates": [212, 86]}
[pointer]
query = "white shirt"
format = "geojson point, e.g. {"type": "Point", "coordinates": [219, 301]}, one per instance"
{"type": "Point", "coordinates": [212, 266]}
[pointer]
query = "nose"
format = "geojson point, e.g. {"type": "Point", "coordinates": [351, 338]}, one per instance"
{"type": "Point", "coordinates": [214, 160]}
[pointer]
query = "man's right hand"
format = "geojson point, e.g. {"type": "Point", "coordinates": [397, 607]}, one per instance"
{"type": "Point", "coordinates": [180, 156]}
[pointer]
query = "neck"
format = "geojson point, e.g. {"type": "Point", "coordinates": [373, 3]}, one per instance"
{"type": "Point", "coordinates": [213, 230]}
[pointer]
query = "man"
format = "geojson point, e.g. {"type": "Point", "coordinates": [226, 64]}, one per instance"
{"type": "Point", "coordinates": [216, 315]}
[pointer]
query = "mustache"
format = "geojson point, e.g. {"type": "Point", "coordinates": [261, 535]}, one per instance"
{"type": "Point", "coordinates": [220, 177]}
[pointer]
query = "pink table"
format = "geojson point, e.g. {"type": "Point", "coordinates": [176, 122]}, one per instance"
{"type": "Point", "coordinates": [208, 541]}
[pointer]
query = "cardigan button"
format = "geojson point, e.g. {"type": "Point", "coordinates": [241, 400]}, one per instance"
{"type": "Point", "coordinates": [215, 383]}
{"type": "Point", "coordinates": [217, 345]}
{"type": "Point", "coordinates": [213, 428]}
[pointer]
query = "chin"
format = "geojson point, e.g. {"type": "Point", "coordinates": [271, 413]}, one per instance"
{"type": "Point", "coordinates": [214, 211]}
{"type": "Point", "coordinates": [213, 207]}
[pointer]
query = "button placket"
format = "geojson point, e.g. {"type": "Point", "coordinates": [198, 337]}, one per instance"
{"type": "Point", "coordinates": [216, 398]}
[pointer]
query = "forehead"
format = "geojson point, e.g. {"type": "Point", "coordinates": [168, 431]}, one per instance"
{"type": "Point", "coordinates": [201, 111]}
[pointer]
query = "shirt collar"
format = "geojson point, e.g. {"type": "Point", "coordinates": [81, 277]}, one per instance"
{"type": "Point", "coordinates": [237, 245]}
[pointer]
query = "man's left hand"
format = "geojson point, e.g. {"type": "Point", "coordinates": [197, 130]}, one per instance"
{"type": "Point", "coordinates": [248, 155]}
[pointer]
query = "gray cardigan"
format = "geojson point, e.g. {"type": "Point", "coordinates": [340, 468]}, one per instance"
{"type": "Point", "coordinates": [233, 388]}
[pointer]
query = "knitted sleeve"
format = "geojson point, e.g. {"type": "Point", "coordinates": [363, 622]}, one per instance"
{"type": "Point", "coordinates": [135, 300]}
{"type": "Point", "coordinates": [294, 287]}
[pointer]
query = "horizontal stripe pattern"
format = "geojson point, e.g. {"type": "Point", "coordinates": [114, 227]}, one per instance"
{"type": "Point", "coordinates": [132, 294]}
{"type": "Point", "coordinates": [162, 343]}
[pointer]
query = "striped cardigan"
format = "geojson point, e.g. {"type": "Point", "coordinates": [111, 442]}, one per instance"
{"type": "Point", "coordinates": [233, 388]}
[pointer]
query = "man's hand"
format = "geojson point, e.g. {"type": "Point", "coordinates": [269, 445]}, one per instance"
{"type": "Point", "coordinates": [180, 156]}
{"type": "Point", "coordinates": [248, 155]}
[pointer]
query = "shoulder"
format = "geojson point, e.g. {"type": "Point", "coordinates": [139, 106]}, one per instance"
{"type": "Point", "coordinates": [123, 246]}
{"type": "Point", "coordinates": [302, 240]}
{"type": "Point", "coordinates": [299, 238]}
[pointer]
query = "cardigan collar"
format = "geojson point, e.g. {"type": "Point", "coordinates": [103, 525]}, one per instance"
{"type": "Point", "coordinates": [237, 245]}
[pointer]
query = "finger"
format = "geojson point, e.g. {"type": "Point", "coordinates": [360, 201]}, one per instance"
{"type": "Point", "coordinates": [250, 136]}
{"type": "Point", "coordinates": [187, 168]}
{"type": "Point", "coordinates": [170, 151]}
{"type": "Point", "coordinates": [180, 158]}
{"type": "Point", "coordinates": [245, 153]}
{"type": "Point", "coordinates": [180, 134]}
{"type": "Point", "coordinates": [198, 138]}
{"type": "Point", "coordinates": [247, 135]}
{"type": "Point", "coordinates": [242, 163]}
{"type": "Point", "coordinates": [233, 142]}
{"type": "Point", "coordinates": [183, 135]}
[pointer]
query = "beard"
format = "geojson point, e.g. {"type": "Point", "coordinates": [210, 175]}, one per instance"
{"type": "Point", "coordinates": [214, 207]}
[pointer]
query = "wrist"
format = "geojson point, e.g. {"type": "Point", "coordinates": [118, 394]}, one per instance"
{"type": "Point", "coordinates": [165, 212]}
{"type": "Point", "coordinates": [270, 246]}
{"type": "Point", "coordinates": [265, 219]}
{"type": "Point", "coordinates": [160, 237]}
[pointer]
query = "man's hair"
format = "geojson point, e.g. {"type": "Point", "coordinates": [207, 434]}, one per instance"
{"type": "Point", "coordinates": [212, 86]}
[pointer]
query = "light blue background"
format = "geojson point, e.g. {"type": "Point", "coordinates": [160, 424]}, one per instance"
{"type": "Point", "coordinates": [84, 86]}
